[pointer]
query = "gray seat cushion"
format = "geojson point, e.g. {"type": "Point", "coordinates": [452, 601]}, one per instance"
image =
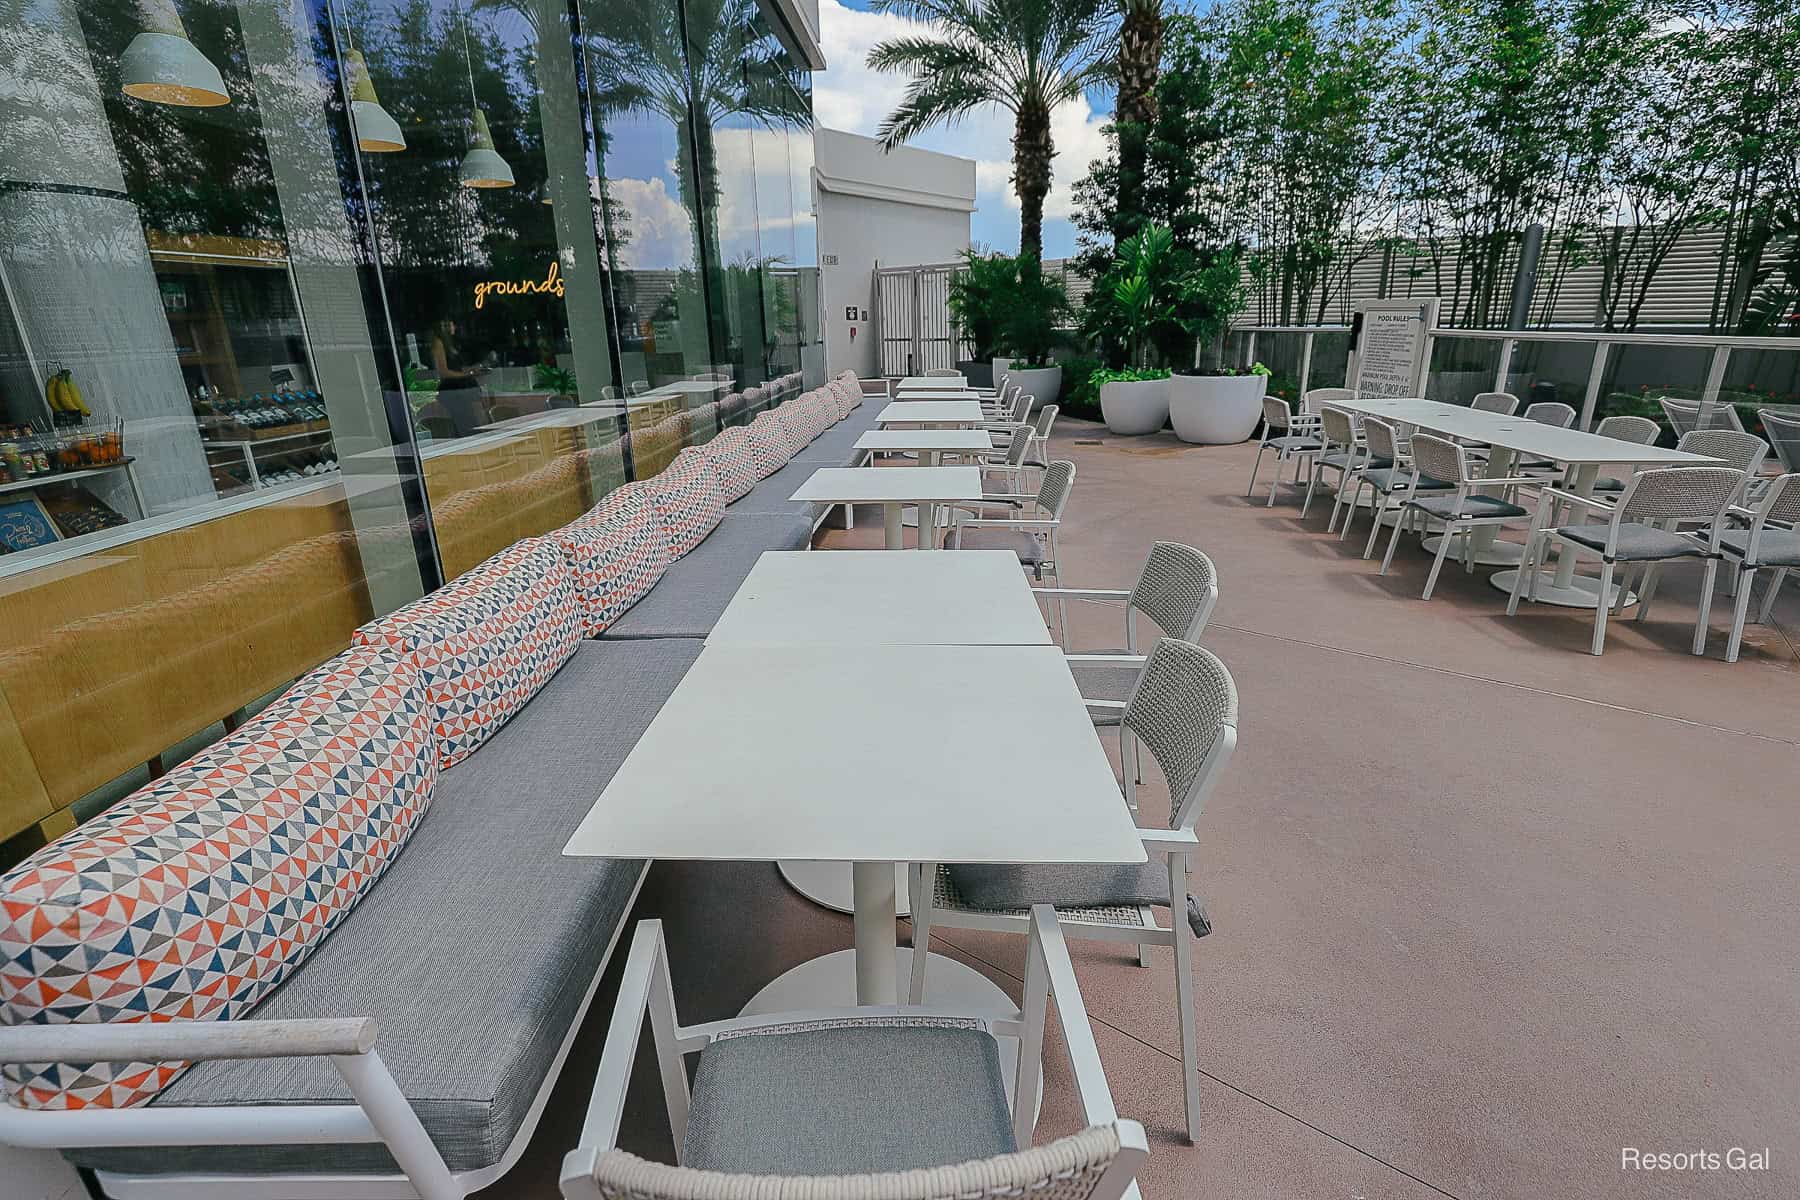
{"type": "Point", "coordinates": [474, 951]}
{"type": "Point", "coordinates": [1475, 507]}
{"type": "Point", "coordinates": [1293, 441]}
{"type": "Point", "coordinates": [694, 590]}
{"type": "Point", "coordinates": [847, 1099]}
{"type": "Point", "coordinates": [1067, 885]}
{"type": "Point", "coordinates": [1399, 479]}
{"type": "Point", "coordinates": [1104, 681]}
{"type": "Point", "coordinates": [1778, 548]}
{"type": "Point", "coordinates": [1637, 543]}
{"type": "Point", "coordinates": [772, 494]}
{"type": "Point", "coordinates": [1341, 459]}
{"type": "Point", "coordinates": [1031, 551]}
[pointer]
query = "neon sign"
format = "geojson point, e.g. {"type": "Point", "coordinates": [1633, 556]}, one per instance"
{"type": "Point", "coordinates": [550, 285]}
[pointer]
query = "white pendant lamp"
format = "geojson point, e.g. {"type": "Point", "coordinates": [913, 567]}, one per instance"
{"type": "Point", "coordinates": [376, 131]}
{"type": "Point", "coordinates": [482, 166]}
{"type": "Point", "coordinates": [162, 66]}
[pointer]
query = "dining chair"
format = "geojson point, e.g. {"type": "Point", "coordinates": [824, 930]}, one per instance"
{"type": "Point", "coordinates": [1281, 433]}
{"type": "Point", "coordinates": [1395, 480]}
{"type": "Point", "coordinates": [1460, 512]}
{"type": "Point", "coordinates": [1633, 531]}
{"type": "Point", "coordinates": [1314, 400]}
{"type": "Point", "coordinates": [1037, 453]}
{"type": "Point", "coordinates": [1639, 431]}
{"type": "Point", "coordinates": [1184, 710]}
{"type": "Point", "coordinates": [999, 404]}
{"type": "Point", "coordinates": [943, 373]}
{"type": "Point", "coordinates": [1032, 538]}
{"type": "Point", "coordinates": [1550, 412]}
{"type": "Point", "coordinates": [1686, 416]}
{"type": "Point", "coordinates": [1014, 417]}
{"type": "Point", "coordinates": [1504, 403]}
{"type": "Point", "coordinates": [1342, 450]}
{"type": "Point", "coordinates": [1770, 539]}
{"type": "Point", "coordinates": [874, 1103]}
{"type": "Point", "coordinates": [1783, 430]}
{"type": "Point", "coordinates": [1009, 463]}
{"type": "Point", "coordinates": [639, 387]}
{"type": "Point", "coordinates": [1743, 451]}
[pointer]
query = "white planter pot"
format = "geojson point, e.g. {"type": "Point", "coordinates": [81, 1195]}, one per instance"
{"type": "Point", "coordinates": [1135, 407]}
{"type": "Point", "coordinates": [1215, 410]}
{"type": "Point", "coordinates": [1043, 385]}
{"type": "Point", "coordinates": [999, 367]}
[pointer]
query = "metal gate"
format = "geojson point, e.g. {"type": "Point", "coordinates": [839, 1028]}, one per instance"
{"type": "Point", "coordinates": [912, 319]}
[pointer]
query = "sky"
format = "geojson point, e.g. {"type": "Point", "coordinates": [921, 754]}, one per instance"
{"type": "Point", "coordinates": [848, 95]}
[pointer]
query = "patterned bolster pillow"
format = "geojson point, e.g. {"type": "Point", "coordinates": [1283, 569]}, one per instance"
{"type": "Point", "coordinates": [686, 496]}
{"type": "Point", "coordinates": [796, 426]}
{"type": "Point", "coordinates": [847, 395]}
{"type": "Point", "coordinates": [769, 444]}
{"type": "Point", "coordinates": [734, 462]}
{"type": "Point", "coordinates": [823, 410]}
{"type": "Point", "coordinates": [487, 641]}
{"type": "Point", "coordinates": [617, 553]}
{"type": "Point", "coordinates": [194, 897]}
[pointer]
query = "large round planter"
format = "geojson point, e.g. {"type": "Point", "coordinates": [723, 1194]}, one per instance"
{"type": "Point", "coordinates": [1043, 385]}
{"type": "Point", "coordinates": [1133, 407]}
{"type": "Point", "coordinates": [1215, 410]}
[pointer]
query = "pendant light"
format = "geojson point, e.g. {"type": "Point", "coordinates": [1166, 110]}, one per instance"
{"type": "Point", "coordinates": [162, 66]}
{"type": "Point", "coordinates": [376, 131]}
{"type": "Point", "coordinates": [482, 166]}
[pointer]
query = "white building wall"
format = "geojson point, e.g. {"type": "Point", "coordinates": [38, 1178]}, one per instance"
{"type": "Point", "coordinates": [897, 209]}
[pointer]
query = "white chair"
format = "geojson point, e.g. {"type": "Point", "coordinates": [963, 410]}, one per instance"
{"type": "Point", "coordinates": [1686, 416]}
{"type": "Point", "coordinates": [1344, 451]}
{"type": "Point", "coordinates": [1184, 710]}
{"type": "Point", "coordinates": [1783, 430]}
{"type": "Point", "coordinates": [1283, 433]}
{"type": "Point", "coordinates": [1460, 512]}
{"type": "Point", "coordinates": [1504, 403]}
{"type": "Point", "coordinates": [1397, 481]}
{"type": "Point", "coordinates": [889, 1103]}
{"type": "Point", "coordinates": [1314, 400]}
{"type": "Point", "coordinates": [1551, 412]}
{"type": "Point", "coordinates": [1763, 543]}
{"type": "Point", "coordinates": [1633, 531]}
{"type": "Point", "coordinates": [1639, 431]}
{"type": "Point", "coordinates": [1032, 538]}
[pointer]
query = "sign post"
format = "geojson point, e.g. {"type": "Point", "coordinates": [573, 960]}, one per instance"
{"type": "Point", "coordinates": [1390, 346]}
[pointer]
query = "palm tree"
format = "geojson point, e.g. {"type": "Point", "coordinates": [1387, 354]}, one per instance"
{"type": "Point", "coordinates": [1139, 58]}
{"type": "Point", "coordinates": [1027, 56]}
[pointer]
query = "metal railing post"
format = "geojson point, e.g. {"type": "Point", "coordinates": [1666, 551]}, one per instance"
{"type": "Point", "coordinates": [1591, 400]}
{"type": "Point", "coordinates": [1715, 374]}
{"type": "Point", "coordinates": [1504, 367]}
{"type": "Point", "coordinates": [1306, 347]}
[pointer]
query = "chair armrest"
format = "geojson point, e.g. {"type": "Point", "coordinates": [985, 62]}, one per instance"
{"type": "Point", "coordinates": [1503, 481]}
{"type": "Point", "coordinates": [187, 1041]}
{"type": "Point", "coordinates": [1169, 839]}
{"type": "Point", "coordinates": [1559, 495]}
{"type": "Point", "coordinates": [1108, 705]}
{"type": "Point", "coordinates": [1028, 523]}
{"type": "Point", "coordinates": [1079, 659]}
{"type": "Point", "coordinates": [1086, 593]}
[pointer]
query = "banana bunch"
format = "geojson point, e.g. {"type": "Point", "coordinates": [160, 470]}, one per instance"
{"type": "Point", "coordinates": [63, 395]}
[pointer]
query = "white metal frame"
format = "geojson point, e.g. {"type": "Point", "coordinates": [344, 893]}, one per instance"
{"type": "Point", "coordinates": [1543, 536]}
{"type": "Point", "coordinates": [1176, 843]}
{"type": "Point", "coordinates": [1466, 486]}
{"type": "Point", "coordinates": [1356, 460]}
{"type": "Point", "coordinates": [1299, 425]}
{"type": "Point", "coordinates": [1748, 563]}
{"type": "Point", "coordinates": [647, 990]}
{"type": "Point", "coordinates": [381, 1112]}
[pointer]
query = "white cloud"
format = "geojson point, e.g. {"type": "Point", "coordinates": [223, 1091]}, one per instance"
{"type": "Point", "coordinates": [850, 96]}
{"type": "Point", "coordinates": [661, 236]}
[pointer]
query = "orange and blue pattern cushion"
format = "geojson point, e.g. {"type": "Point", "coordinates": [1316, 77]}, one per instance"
{"type": "Point", "coordinates": [487, 641]}
{"type": "Point", "coordinates": [194, 897]}
{"type": "Point", "coordinates": [616, 560]}
{"type": "Point", "coordinates": [686, 496]}
{"type": "Point", "coordinates": [796, 425]}
{"type": "Point", "coordinates": [768, 444]}
{"type": "Point", "coordinates": [734, 463]}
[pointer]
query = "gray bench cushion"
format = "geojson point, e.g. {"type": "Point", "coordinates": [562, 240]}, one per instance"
{"type": "Point", "coordinates": [1067, 885]}
{"type": "Point", "coordinates": [847, 1099]}
{"type": "Point", "coordinates": [475, 950]}
{"type": "Point", "coordinates": [687, 601]}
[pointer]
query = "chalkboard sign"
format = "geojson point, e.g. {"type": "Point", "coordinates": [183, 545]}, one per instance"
{"type": "Point", "coordinates": [24, 523]}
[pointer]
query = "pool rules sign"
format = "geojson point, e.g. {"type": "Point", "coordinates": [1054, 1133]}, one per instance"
{"type": "Point", "coordinates": [1390, 346]}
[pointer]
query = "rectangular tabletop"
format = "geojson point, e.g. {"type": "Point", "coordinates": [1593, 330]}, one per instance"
{"type": "Point", "coordinates": [874, 597]}
{"type": "Point", "coordinates": [772, 752]}
{"type": "Point", "coordinates": [1530, 438]}
{"type": "Point", "coordinates": [929, 381]}
{"type": "Point", "coordinates": [946, 441]}
{"type": "Point", "coordinates": [859, 485]}
{"type": "Point", "coordinates": [690, 387]}
{"type": "Point", "coordinates": [920, 395]}
{"type": "Point", "coordinates": [931, 412]}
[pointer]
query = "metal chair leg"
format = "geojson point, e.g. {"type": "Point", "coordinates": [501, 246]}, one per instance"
{"type": "Point", "coordinates": [1768, 605]}
{"type": "Point", "coordinates": [1601, 609]}
{"type": "Point", "coordinates": [1255, 467]}
{"type": "Point", "coordinates": [1704, 620]}
{"type": "Point", "coordinates": [1740, 609]}
{"type": "Point", "coordinates": [1375, 529]}
{"type": "Point", "coordinates": [1393, 541]}
{"type": "Point", "coordinates": [1437, 564]}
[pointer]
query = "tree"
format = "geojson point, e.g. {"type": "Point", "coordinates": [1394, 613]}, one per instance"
{"type": "Point", "coordinates": [1138, 61]}
{"type": "Point", "coordinates": [1026, 56]}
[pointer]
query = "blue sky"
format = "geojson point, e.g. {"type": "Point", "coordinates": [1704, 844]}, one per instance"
{"type": "Point", "coordinates": [847, 95]}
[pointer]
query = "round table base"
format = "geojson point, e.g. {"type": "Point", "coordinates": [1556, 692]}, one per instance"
{"type": "Point", "coordinates": [829, 981]}
{"type": "Point", "coordinates": [1497, 554]}
{"type": "Point", "coordinates": [1583, 590]}
{"type": "Point", "coordinates": [827, 884]}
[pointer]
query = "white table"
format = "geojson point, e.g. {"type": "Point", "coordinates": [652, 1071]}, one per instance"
{"type": "Point", "coordinates": [812, 752]}
{"type": "Point", "coordinates": [953, 414]}
{"type": "Point", "coordinates": [928, 444]}
{"type": "Point", "coordinates": [917, 395]}
{"type": "Point", "coordinates": [690, 387]}
{"type": "Point", "coordinates": [932, 381]}
{"type": "Point", "coordinates": [873, 598]}
{"type": "Point", "coordinates": [1514, 436]}
{"type": "Point", "coordinates": [893, 489]}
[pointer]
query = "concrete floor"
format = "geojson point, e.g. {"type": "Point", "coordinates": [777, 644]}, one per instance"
{"type": "Point", "coordinates": [1487, 909]}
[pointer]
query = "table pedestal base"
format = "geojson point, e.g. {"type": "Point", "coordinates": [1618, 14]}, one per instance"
{"type": "Point", "coordinates": [1583, 590]}
{"type": "Point", "coordinates": [829, 981]}
{"type": "Point", "coordinates": [827, 884]}
{"type": "Point", "coordinates": [1495, 554]}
